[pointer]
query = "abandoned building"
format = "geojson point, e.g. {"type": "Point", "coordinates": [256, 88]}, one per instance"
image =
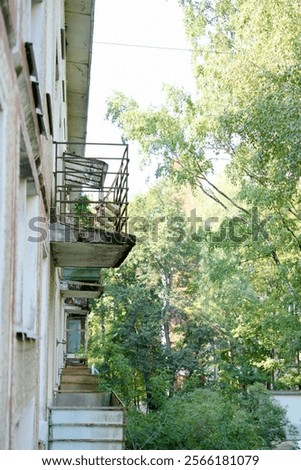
{"type": "Point", "coordinates": [63, 215]}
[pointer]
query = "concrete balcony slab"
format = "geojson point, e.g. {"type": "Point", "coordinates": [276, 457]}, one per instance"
{"type": "Point", "coordinates": [90, 248]}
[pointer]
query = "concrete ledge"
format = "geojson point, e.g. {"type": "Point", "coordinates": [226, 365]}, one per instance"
{"type": "Point", "coordinates": [91, 248]}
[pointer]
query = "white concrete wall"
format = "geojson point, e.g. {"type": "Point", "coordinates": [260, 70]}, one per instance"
{"type": "Point", "coordinates": [31, 310]}
{"type": "Point", "coordinates": [4, 313]}
{"type": "Point", "coordinates": [10, 122]}
{"type": "Point", "coordinates": [291, 402]}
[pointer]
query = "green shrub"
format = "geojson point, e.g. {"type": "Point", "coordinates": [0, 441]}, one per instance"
{"type": "Point", "coordinates": [207, 419]}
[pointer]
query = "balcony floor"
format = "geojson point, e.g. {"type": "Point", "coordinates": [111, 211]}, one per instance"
{"type": "Point", "coordinates": [92, 248]}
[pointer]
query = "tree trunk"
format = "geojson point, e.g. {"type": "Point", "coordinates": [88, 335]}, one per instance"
{"type": "Point", "coordinates": [151, 405]}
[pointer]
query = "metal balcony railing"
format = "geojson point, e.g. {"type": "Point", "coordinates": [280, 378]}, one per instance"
{"type": "Point", "coordinates": [91, 185]}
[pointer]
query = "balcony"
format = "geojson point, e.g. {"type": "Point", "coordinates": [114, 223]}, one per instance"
{"type": "Point", "coordinates": [81, 283]}
{"type": "Point", "coordinates": [89, 217]}
{"type": "Point", "coordinates": [83, 419]}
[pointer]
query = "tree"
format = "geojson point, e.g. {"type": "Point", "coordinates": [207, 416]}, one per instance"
{"type": "Point", "coordinates": [246, 59]}
{"type": "Point", "coordinates": [247, 67]}
{"type": "Point", "coordinates": [143, 308]}
{"type": "Point", "coordinates": [219, 304]}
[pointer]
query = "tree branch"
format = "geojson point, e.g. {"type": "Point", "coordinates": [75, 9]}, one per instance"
{"type": "Point", "coordinates": [225, 196]}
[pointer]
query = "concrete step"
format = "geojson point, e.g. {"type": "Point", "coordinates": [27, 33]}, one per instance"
{"type": "Point", "coordinates": [79, 387]}
{"type": "Point", "coordinates": [76, 370]}
{"type": "Point", "coordinates": [84, 400]}
{"type": "Point", "coordinates": [86, 421]}
{"type": "Point", "coordinates": [87, 431]}
{"type": "Point", "coordinates": [83, 415]}
{"type": "Point", "coordinates": [85, 445]}
{"type": "Point", "coordinates": [80, 379]}
{"type": "Point", "coordinates": [64, 392]}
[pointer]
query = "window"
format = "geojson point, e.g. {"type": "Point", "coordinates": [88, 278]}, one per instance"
{"type": "Point", "coordinates": [35, 85]}
{"type": "Point", "coordinates": [63, 44]}
{"type": "Point", "coordinates": [76, 334]}
{"type": "Point", "coordinates": [49, 111]}
{"type": "Point", "coordinates": [57, 68]}
{"type": "Point", "coordinates": [63, 90]}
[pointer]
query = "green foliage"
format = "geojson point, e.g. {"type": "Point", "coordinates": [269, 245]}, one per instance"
{"type": "Point", "coordinates": [246, 57]}
{"type": "Point", "coordinates": [207, 419]}
{"type": "Point", "coordinates": [82, 209]}
{"type": "Point", "coordinates": [144, 301]}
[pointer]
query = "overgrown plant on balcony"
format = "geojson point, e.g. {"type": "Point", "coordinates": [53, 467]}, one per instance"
{"type": "Point", "coordinates": [83, 211]}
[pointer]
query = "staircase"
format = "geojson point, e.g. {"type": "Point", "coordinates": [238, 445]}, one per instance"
{"type": "Point", "coordinates": [77, 378]}
{"type": "Point", "coordinates": [81, 418]}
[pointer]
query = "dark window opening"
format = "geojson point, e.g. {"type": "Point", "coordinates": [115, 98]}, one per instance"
{"type": "Point", "coordinates": [49, 111]}
{"type": "Point", "coordinates": [63, 43]}
{"type": "Point", "coordinates": [35, 85]}
{"type": "Point", "coordinates": [63, 90]}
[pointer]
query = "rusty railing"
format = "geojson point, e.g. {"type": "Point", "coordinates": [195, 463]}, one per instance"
{"type": "Point", "coordinates": [91, 185]}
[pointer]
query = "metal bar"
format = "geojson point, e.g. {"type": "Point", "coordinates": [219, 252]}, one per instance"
{"type": "Point", "coordinates": [120, 203]}
{"type": "Point", "coordinates": [108, 144]}
{"type": "Point", "coordinates": [85, 175]}
{"type": "Point", "coordinates": [108, 173]}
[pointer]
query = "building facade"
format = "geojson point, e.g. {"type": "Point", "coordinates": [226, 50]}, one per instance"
{"type": "Point", "coordinates": [49, 255]}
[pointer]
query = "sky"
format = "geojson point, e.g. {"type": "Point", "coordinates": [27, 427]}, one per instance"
{"type": "Point", "coordinates": [139, 72]}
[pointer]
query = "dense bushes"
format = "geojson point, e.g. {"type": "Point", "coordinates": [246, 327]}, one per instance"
{"type": "Point", "coordinates": [209, 419]}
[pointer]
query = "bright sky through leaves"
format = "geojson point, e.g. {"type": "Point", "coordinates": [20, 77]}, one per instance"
{"type": "Point", "coordinates": [137, 71]}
